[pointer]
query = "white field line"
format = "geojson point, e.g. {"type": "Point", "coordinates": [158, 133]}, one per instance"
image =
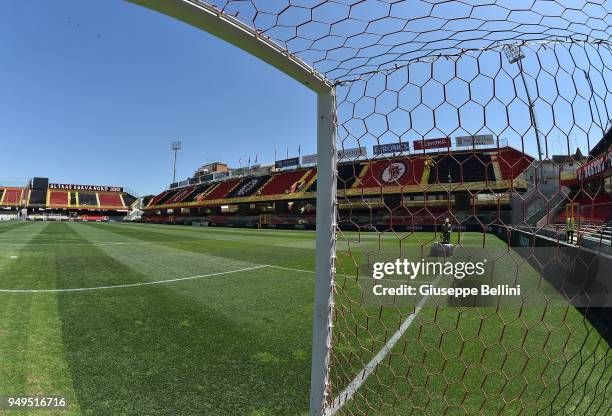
{"type": "Point", "coordinates": [350, 390]}
{"type": "Point", "coordinates": [158, 282]}
{"type": "Point", "coordinates": [343, 397]}
{"type": "Point", "coordinates": [291, 269]}
{"type": "Point", "coordinates": [312, 271]}
{"type": "Point", "coordinates": [350, 275]}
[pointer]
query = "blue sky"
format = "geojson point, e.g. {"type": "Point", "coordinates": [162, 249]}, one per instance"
{"type": "Point", "coordinates": [95, 91]}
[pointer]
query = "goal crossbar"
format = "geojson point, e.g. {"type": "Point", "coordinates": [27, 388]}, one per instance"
{"type": "Point", "coordinates": [227, 27]}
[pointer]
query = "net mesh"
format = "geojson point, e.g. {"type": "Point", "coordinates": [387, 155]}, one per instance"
{"type": "Point", "coordinates": [344, 39]}
{"type": "Point", "coordinates": [438, 355]}
{"type": "Point", "coordinates": [516, 93]}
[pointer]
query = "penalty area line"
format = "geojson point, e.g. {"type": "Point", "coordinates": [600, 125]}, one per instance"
{"type": "Point", "coordinates": [350, 390]}
{"type": "Point", "coordinates": [158, 282]}
{"type": "Point", "coordinates": [313, 272]}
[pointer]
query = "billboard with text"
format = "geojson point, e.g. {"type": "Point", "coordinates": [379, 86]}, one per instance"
{"type": "Point", "coordinates": [94, 188]}
{"type": "Point", "coordinates": [285, 163]}
{"type": "Point", "coordinates": [381, 149]}
{"type": "Point", "coordinates": [478, 140]}
{"type": "Point", "coordinates": [352, 153]}
{"type": "Point", "coordinates": [343, 155]}
{"type": "Point", "coordinates": [427, 144]}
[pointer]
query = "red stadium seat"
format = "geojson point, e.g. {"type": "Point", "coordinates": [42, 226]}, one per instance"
{"type": "Point", "coordinates": [110, 199]}
{"type": "Point", "coordinates": [282, 183]}
{"type": "Point", "coordinates": [181, 195]}
{"type": "Point", "coordinates": [58, 198]}
{"type": "Point", "coordinates": [512, 163]}
{"type": "Point", "coordinates": [156, 199]}
{"type": "Point", "coordinates": [12, 196]}
{"type": "Point", "coordinates": [222, 189]}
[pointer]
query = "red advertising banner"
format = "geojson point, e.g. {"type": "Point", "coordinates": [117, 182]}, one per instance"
{"type": "Point", "coordinates": [426, 144]}
{"type": "Point", "coordinates": [600, 164]}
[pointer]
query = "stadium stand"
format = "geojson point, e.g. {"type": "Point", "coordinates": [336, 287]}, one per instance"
{"type": "Point", "coordinates": [389, 191]}
{"type": "Point", "coordinates": [12, 196]}
{"type": "Point", "coordinates": [222, 189]}
{"type": "Point", "coordinates": [128, 199]}
{"type": "Point", "coordinates": [58, 198]}
{"type": "Point", "coordinates": [469, 167]}
{"type": "Point", "coordinates": [284, 182]}
{"type": "Point", "coordinates": [461, 168]}
{"type": "Point", "coordinates": [512, 162]}
{"type": "Point", "coordinates": [180, 195]}
{"type": "Point", "coordinates": [392, 172]}
{"type": "Point", "coordinates": [156, 200]}
{"type": "Point", "coordinates": [87, 199]}
{"type": "Point", "coordinates": [586, 197]}
{"type": "Point", "coordinates": [40, 200]}
{"type": "Point", "coordinates": [37, 197]}
{"type": "Point", "coordinates": [306, 180]}
{"type": "Point", "coordinates": [248, 186]}
{"type": "Point", "coordinates": [166, 197]}
{"type": "Point", "coordinates": [391, 175]}
{"type": "Point", "coordinates": [597, 209]}
{"type": "Point", "coordinates": [347, 175]}
{"type": "Point", "coordinates": [111, 199]}
{"type": "Point", "coordinates": [199, 192]}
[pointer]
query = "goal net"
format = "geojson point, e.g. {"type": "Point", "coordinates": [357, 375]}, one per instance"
{"type": "Point", "coordinates": [474, 128]}
{"type": "Point", "coordinates": [491, 140]}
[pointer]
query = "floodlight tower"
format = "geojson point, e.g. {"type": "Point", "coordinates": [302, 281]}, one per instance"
{"type": "Point", "coordinates": [176, 146]}
{"type": "Point", "coordinates": [515, 56]}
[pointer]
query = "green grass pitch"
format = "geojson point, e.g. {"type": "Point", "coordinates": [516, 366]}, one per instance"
{"type": "Point", "coordinates": [215, 343]}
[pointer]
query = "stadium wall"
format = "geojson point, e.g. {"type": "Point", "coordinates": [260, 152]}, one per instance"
{"type": "Point", "coordinates": [580, 274]}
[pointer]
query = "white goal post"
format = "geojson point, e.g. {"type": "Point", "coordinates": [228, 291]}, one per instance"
{"type": "Point", "coordinates": [230, 29]}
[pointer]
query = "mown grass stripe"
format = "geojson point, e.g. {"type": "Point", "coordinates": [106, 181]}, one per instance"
{"type": "Point", "coordinates": [165, 261]}
{"type": "Point", "coordinates": [31, 351]}
{"type": "Point", "coordinates": [241, 346]}
{"type": "Point", "coordinates": [201, 348]}
{"type": "Point", "coordinates": [236, 251]}
{"type": "Point", "coordinates": [13, 345]}
{"type": "Point", "coordinates": [48, 372]}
